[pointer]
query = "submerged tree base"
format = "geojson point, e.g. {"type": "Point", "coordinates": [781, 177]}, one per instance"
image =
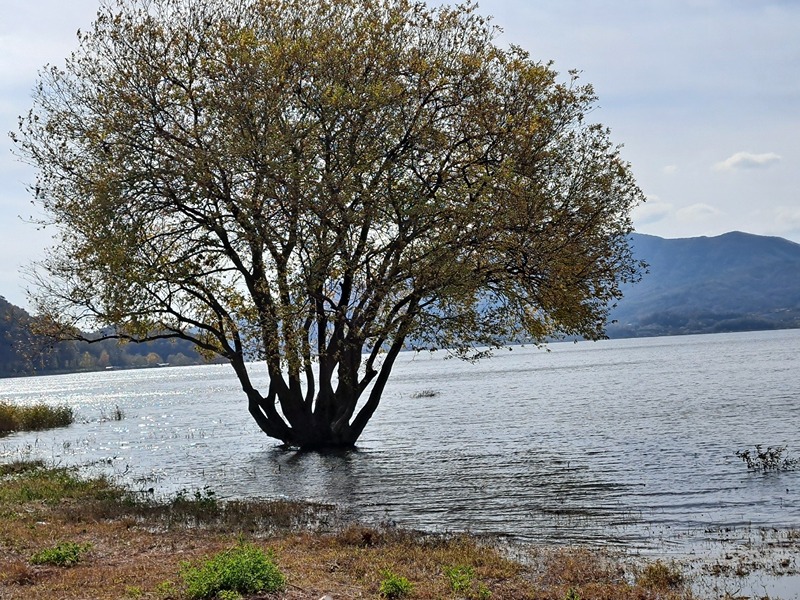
{"type": "Point", "coordinates": [321, 448]}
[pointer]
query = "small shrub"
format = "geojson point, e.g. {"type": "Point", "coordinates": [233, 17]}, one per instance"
{"type": "Point", "coordinates": [245, 569]}
{"type": "Point", "coordinates": [425, 394]}
{"type": "Point", "coordinates": [394, 586]}
{"type": "Point", "coordinates": [660, 576]}
{"type": "Point", "coordinates": [63, 554]}
{"type": "Point", "coordinates": [771, 459]}
{"type": "Point", "coordinates": [41, 416]}
{"type": "Point", "coordinates": [460, 578]}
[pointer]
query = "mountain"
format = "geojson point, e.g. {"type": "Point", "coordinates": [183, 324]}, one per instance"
{"type": "Point", "coordinates": [732, 282]}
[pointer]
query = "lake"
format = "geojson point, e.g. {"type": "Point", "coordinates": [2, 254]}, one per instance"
{"type": "Point", "coordinates": [625, 442]}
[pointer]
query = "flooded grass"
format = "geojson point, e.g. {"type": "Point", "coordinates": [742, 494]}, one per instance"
{"type": "Point", "coordinates": [33, 418]}
{"type": "Point", "coordinates": [133, 546]}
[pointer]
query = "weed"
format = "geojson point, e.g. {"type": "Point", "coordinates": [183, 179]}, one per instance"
{"type": "Point", "coordinates": [771, 459]}
{"type": "Point", "coordinates": [483, 592]}
{"type": "Point", "coordinates": [32, 481]}
{"type": "Point", "coordinates": [19, 467]}
{"type": "Point", "coordinates": [244, 569]}
{"type": "Point", "coordinates": [116, 415]}
{"type": "Point", "coordinates": [33, 418]}
{"type": "Point", "coordinates": [63, 554]}
{"type": "Point", "coordinates": [576, 567]}
{"type": "Point", "coordinates": [660, 576]}
{"type": "Point", "coordinates": [425, 394]}
{"type": "Point", "coordinates": [35, 483]}
{"type": "Point", "coordinates": [394, 586]}
{"type": "Point", "coordinates": [572, 594]}
{"type": "Point", "coordinates": [166, 589]}
{"type": "Point", "coordinates": [203, 502]}
{"type": "Point", "coordinates": [200, 506]}
{"type": "Point", "coordinates": [460, 578]}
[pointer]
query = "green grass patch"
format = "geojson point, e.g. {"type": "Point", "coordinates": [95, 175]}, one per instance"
{"type": "Point", "coordinates": [464, 584]}
{"type": "Point", "coordinates": [394, 586]}
{"type": "Point", "coordinates": [22, 482]}
{"type": "Point", "coordinates": [460, 577]}
{"type": "Point", "coordinates": [63, 554]}
{"type": "Point", "coordinates": [245, 569]}
{"type": "Point", "coordinates": [33, 418]}
{"type": "Point", "coordinates": [86, 500]}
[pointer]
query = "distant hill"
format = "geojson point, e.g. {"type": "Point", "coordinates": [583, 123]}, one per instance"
{"type": "Point", "coordinates": [22, 352]}
{"type": "Point", "coordinates": [732, 282]}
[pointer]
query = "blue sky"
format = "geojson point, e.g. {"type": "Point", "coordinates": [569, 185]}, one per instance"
{"type": "Point", "coordinates": [703, 94]}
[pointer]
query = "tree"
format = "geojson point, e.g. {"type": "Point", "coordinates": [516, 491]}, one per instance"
{"type": "Point", "coordinates": [321, 184]}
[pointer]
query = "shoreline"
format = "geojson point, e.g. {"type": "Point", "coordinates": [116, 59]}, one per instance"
{"type": "Point", "coordinates": [137, 545]}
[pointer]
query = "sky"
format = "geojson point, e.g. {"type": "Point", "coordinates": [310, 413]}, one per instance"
{"type": "Point", "coordinates": [703, 95]}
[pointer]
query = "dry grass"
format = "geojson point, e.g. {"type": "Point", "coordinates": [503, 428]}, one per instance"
{"type": "Point", "coordinates": [137, 548]}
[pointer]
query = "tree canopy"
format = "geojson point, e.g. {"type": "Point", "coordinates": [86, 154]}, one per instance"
{"type": "Point", "coordinates": [321, 184]}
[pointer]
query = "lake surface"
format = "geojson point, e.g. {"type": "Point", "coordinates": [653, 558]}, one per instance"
{"type": "Point", "coordinates": [630, 442]}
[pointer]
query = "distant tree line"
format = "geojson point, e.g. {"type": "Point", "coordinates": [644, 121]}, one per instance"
{"type": "Point", "coordinates": [24, 352]}
{"type": "Point", "coordinates": [685, 322]}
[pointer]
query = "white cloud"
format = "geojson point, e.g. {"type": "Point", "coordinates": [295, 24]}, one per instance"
{"type": "Point", "coordinates": [747, 160]}
{"type": "Point", "coordinates": [652, 211]}
{"type": "Point", "coordinates": [698, 212]}
{"type": "Point", "coordinates": [787, 218]}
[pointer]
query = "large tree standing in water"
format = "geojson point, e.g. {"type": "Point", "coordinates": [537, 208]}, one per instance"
{"type": "Point", "coordinates": [320, 184]}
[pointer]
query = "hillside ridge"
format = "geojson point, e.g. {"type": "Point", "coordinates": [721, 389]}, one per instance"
{"type": "Point", "coordinates": [732, 282]}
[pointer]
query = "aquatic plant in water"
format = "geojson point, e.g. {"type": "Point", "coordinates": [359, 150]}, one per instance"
{"type": "Point", "coordinates": [33, 418]}
{"type": "Point", "coordinates": [771, 459]}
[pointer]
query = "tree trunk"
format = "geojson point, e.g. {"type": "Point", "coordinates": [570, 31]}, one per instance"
{"type": "Point", "coordinates": [308, 430]}
{"type": "Point", "coordinates": [329, 420]}
{"type": "Point", "coordinates": [331, 424]}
